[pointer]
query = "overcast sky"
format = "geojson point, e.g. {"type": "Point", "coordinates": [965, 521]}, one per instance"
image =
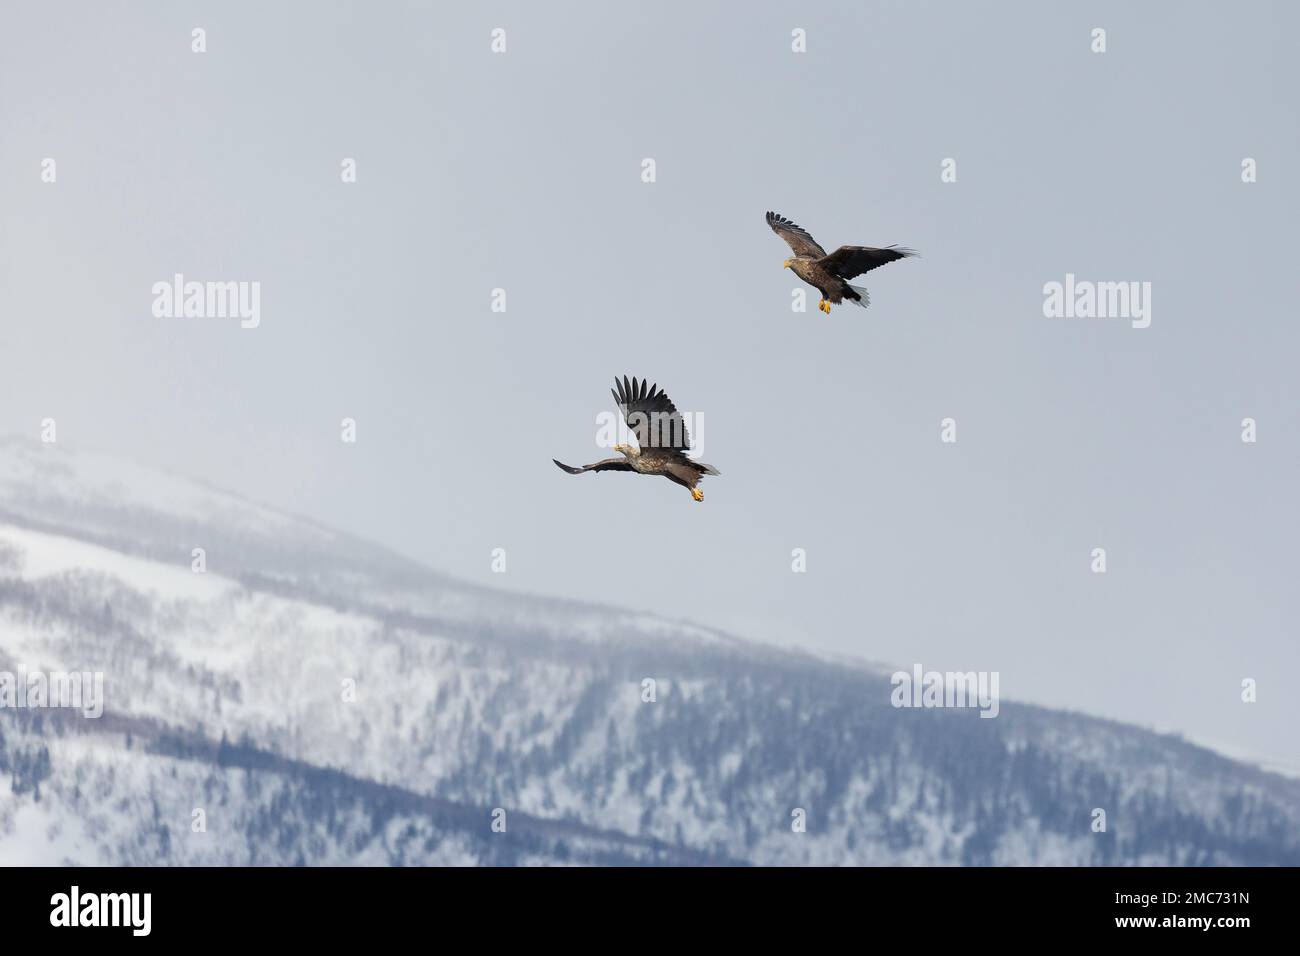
{"type": "Point", "coordinates": [523, 171]}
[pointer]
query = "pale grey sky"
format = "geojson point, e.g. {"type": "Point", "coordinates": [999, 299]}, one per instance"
{"type": "Point", "coordinates": [522, 170]}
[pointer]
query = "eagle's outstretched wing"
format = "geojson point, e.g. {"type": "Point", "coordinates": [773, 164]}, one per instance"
{"type": "Point", "coordinates": [797, 237]}
{"type": "Point", "coordinates": [849, 261]}
{"type": "Point", "coordinates": [651, 415]}
{"type": "Point", "coordinates": [607, 464]}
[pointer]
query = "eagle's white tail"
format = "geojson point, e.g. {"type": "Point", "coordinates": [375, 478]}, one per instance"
{"type": "Point", "coordinates": [862, 291]}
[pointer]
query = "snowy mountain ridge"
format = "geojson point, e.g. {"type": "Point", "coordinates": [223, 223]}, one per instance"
{"type": "Point", "coordinates": [322, 700]}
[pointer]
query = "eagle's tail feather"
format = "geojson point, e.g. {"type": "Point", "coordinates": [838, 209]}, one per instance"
{"type": "Point", "coordinates": [861, 298]}
{"type": "Point", "coordinates": [707, 469]}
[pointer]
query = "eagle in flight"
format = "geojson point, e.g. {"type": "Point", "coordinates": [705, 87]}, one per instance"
{"type": "Point", "coordinates": [829, 274]}
{"type": "Point", "coordinates": [661, 438]}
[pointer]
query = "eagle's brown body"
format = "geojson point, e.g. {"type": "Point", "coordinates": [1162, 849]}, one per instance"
{"type": "Point", "coordinates": [673, 465]}
{"type": "Point", "coordinates": [832, 287]}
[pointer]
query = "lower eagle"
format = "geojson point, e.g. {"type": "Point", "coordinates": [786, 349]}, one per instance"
{"type": "Point", "coordinates": [661, 436]}
{"type": "Point", "coordinates": [829, 274]}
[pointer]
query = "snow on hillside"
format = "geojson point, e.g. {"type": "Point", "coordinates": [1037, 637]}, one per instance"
{"type": "Point", "coordinates": [47, 473]}
{"type": "Point", "coordinates": [322, 700]}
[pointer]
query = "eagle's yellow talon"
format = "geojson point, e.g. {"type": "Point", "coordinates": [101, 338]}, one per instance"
{"type": "Point", "coordinates": [697, 494]}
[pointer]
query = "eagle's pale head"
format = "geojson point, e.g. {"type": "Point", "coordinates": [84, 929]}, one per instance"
{"type": "Point", "coordinates": [786, 264]}
{"type": "Point", "coordinates": [627, 451]}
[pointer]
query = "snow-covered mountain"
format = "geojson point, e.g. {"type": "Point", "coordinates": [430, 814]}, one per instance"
{"type": "Point", "coordinates": [313, 698]}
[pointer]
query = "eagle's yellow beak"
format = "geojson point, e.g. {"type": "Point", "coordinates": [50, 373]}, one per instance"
{"type": "Point", "coordinates": [786, 264]}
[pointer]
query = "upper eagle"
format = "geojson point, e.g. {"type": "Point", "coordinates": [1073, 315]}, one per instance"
{"type": "Point", "coordinates": [829, 273]}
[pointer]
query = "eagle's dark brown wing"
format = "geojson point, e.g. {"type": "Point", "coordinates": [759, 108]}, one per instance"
{"type": "Point", "coordinates": [795, 236]}
{"type": "Point", "coordinates": [651, 415]}
{"type": "Point", "coordinates": [607, 464]}
{"type": "Point", "coordinates": [849, 261]}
